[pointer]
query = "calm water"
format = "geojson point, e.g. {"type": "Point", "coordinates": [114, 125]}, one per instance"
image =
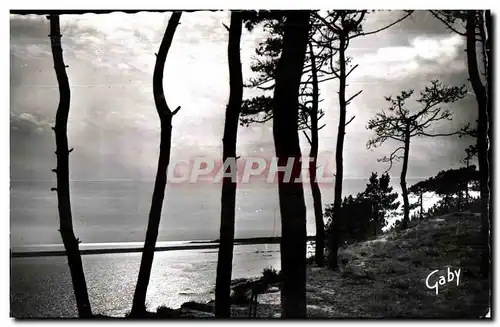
{"type": "Point", "coordinates": [117, 211]}
{"type": "Point", "coordinates": [41, 287]}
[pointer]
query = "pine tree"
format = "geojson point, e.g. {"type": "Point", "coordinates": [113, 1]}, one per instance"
{"type": "Point", "coordinates": [382, 199]}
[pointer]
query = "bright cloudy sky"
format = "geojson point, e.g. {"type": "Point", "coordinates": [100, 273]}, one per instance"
{"type": "Point", "coordinates": [113, 123]}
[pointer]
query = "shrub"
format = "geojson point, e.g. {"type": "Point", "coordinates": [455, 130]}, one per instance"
{"type": "Point", "coordinates": [166, 312]}
{"type": "Point", "coordinates": [271, 275]}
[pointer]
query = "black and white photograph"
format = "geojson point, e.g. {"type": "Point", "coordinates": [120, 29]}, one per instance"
{"type": "Point", "coordinates": [251, 164]}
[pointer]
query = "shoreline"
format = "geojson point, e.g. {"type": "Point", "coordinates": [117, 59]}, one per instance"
{"type": "Point", "coordinates": [194, 245]}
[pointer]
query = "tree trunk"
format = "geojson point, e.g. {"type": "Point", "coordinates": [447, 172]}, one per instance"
{"type": "Point", "coordinates": [406, 202]}
{"type": "Point", "coordinates": [421, 205]}
{"type": "Point", "coordinates": [313, 154]}
{"type": "Point", "coordinates": [467, 196]}
{"type": "Point", "coordinates": [286, 141]}
{"type": "Point", "coordinates": [228, 198]}
{"type": "Point", "coordinates": [165, 115]}
{"type": "Point", "coordinates": [375, 218]}
{"type": "Point", "coordinates": [71, 243]}
{"type": "Point", "coordinates": [482, 137]}
{"type": "Point", "coordinates": [339, 175]}
{"type": "Point", "coordinates": [467, 187]}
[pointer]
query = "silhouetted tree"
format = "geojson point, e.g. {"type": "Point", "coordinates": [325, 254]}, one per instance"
{"type": "Point", "coordinates": [446, 184]}
{"type": "Point", "coordinates": [258, 109]}
{"type": "Point", "coordinates": [314, 116]}
{"type": "Point", "coordinates": [483, 129]}
{"type": "Point", "coordinates": [311, 115]}
{"type": "Point", "coordinates": [349, 22]}
{"type": "Point", "coordinates": [455, 181]}
{"type": "Point", "coordinates": [228, 198]}
{"type": "Point", "coordinates": [419, 189]}
{"type": "Point", "coordinates": [71, 243]}
{"type": "Point", "coordinates": [470, 153]}
{"type": "Point", "coordinates": [380, 195]}
{"type": "Point", "coordinates": [478, 30]}
{"type": "Point", "coordinates": [357, 216]}
{"type": "Point", "coordinates": [365, 215]}
{"type": "Point", "coordinates": [401, 125]}
{"type": "Point", "coordinates": [451, 182]}
{"type": "Point", "coordinates": [165, 115]}
{"type": "Point", "coordinates": [339, 28]}
{"type": "Point", "coordinates": [286, 141]}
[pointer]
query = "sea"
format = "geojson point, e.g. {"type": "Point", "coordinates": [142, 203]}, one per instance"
{"type": "Point", "coordinates": [41, 286]}
{"type": "Point", "coordinates": [117, 211]}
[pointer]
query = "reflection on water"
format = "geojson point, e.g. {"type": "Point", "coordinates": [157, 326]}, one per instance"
{"type": "Point", "coordinates": [41, 287]}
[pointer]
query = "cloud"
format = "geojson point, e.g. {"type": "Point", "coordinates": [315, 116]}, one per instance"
{"type": "Point", "coordinates": [422, 56]}
{"type": "Point", "coordinates": [438, 49]}
{"type": "Point", "coordinates": [30, 51]}
{"type": "Point", "coordinates": [28, 123]}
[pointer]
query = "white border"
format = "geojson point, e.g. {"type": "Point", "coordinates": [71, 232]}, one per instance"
{"type": "Point", "coordinates": [255, 4]}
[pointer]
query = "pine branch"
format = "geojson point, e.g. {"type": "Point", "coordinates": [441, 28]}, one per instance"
{"type": "Point", "coordinates": [350, 120]}
{"type": "Point", "coordinates": [307, 137]}
{"type": "Point", "coordinates": [383, 28]}
{"type": "Point", "coordinates": [355, 95]}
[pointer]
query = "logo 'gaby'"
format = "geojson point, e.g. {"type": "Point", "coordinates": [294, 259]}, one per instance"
{"type": "Point", "coordinates": [442, 280]}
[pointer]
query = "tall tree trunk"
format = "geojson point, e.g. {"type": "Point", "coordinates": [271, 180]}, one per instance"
{"type": "Point", "coordinates": [313, 154]}
{"type": "Point", "coordinates": [459, 200]}
{"type": "Point", "coordinates": [421, 204]}
{"type": "Point", "coordinates": [165, 115]}
{"type": "Point", "coordinates": [482, 136]}
{"type": "Point", "coordinates": [71, 243]}
{"type": "Point", "coordinates": [376, 219]}
{"type": "Point", "coordinates": [228, 198]}
{"type": "Point", "coordinates": [286, 142]}
{"type": "Point", "coordinates": [467, 196]}
{"type": "Point", "coordinates": [467, 187]}
{"type": "Point", "coordinates": [406, 202]}
{"type": "Point", "coordinates": [339, 175]}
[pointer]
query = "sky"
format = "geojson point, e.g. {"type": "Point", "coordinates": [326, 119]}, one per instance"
{"type": "Point", "coordinates": [114, 128]}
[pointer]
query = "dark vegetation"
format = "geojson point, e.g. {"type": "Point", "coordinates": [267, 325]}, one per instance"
{"type": "Point", "coordinates": [378, 274]}
{"type": "Point", "coordinates": [366, 214]}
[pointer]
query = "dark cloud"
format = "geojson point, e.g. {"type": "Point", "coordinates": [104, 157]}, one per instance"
{"type": "Point", "coordinates": [29, 29]}
{"type": "Point", "coordinates": [423, 22]}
